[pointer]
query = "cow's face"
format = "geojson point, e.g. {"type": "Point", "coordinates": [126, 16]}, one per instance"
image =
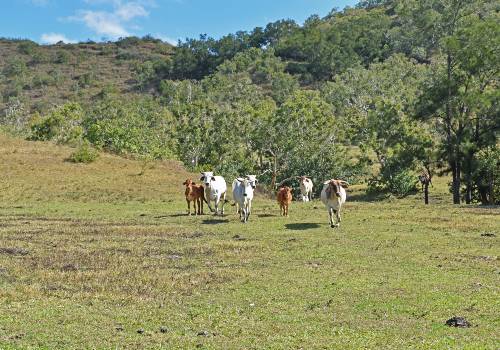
{"type": "Point", "coordinates": [304, 180]}
{"type": "Point", "coordinates": [287, 190]}
{"type": "Point", "coordinates": [335, 187]}
{"type": "Point", "coordinates": [252, 180]}
{"type": "Point", "coordinates": [207, 177]}
{"type": "Point", "coordinates": [244, 183]}
{"type": "Point", "coordinates": [188, 183]}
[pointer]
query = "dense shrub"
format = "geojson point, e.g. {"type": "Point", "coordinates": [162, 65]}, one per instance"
{"type": "Point", "coordinates": [137, 126]}
{"type": "Point", "coordinates": [61, 124]}
{"type": "Point", "coordinates": [85, 153]}
{"type": "Point", "coordinates": [486, 176]}
{"type": "Point", "coordinates": [403, 183]}
{"type": "Point", "coordinates": [27, 47]}
{"type": "Point", "coordinates": [15, 67]}
{"type": "Point", "coordinates": [62, 57]}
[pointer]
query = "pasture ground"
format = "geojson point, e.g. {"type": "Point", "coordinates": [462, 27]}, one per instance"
{"type": "Point", "coordinates": [97, 256]}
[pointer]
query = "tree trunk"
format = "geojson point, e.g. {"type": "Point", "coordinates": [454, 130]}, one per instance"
{"type": "Point", "coordinates": [452, 156]}
{"type": "Point", "coordinates": [456, 172]}
{"type": "Point", "coordinates": [275, 172]}
{"type": "Point", "coordinates": [426, 192]}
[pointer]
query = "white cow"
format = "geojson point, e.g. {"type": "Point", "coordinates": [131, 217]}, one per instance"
{"type": "Point", "coordinates": [243, 195]}
{"type": "Point", "coordinates": [306, 188]}
{"type": "Point", "coordinates": [215, 189]}
{"type": "Point", "coordinates": [333, 196]}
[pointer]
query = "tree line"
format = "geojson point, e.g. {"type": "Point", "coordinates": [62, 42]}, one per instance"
{"type": "Point", "coordinates": [394, 86]}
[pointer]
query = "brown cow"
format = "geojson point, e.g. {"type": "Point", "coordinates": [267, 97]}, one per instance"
{"type": "Point", "coordinates": [284, 199]}
{"type": "Point", "coordinates": [196, 194]}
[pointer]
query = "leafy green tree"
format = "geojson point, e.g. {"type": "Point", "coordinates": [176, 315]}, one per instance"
{"type": "Point", "coordinates": [137, 126]}
{"type": "Point", "coordinates": [303, 138]}
{"type": "Point", "coordinates": [375, 107]}
{"type": "Point", "coordinates": [461, 95]}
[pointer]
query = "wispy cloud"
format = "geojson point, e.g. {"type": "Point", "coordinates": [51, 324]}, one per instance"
{"type": "Point", "coordinates": [54, 38]}
{"type": "Point", "coordinates": [166, 39]}
{"type": "Point", "coordinates": [113, 23]}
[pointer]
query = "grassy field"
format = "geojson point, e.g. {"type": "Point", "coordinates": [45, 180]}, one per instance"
{"type": "Point", "coordinates": [97, 256]}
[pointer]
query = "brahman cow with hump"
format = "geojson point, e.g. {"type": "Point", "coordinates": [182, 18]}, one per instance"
{"type": "Point", "coordinates": [243, 195]}
{"type": "Point", "coordinates": [215, 190]}
{"type": "Point", "coordinates": [333, 196]}
{"type": "Point", "coordinates": [306, 188]}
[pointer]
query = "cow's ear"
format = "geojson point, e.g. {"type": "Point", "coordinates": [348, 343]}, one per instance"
{"type": "Point", "coordinates": [184, 183]}
{"type": "Point", "coordinates": [344, 183]}
{"type": "Point", "coordinates": [193, 183]}
{"type": "Point", "coordinates": [201, 178]}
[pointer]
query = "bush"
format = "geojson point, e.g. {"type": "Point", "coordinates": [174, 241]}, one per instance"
{"type": "Point", "coordinates": [134, 126]}
{"type": "Point", "coordinates": [39, 56]}
{"type": "Point", "coordinates": [85, 153]}
{"type": "Point", "coordinates": [62, 124]}
{"type": "Point", "coordinates": [42, 79]}
{"type": "Point", "coordinates": [62, 57]}
{"type": "Point", "coordinates": [15, 67]}
{"type": "Point", "coordinates": [403, 183]}
{"type": "Point", "coordinates": [27, 47]}
{"type": "Point", "coordinates": [486, 176]}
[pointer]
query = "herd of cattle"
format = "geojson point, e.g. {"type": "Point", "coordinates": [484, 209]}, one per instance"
{"type": "Point", "coordinates": [214, 189]}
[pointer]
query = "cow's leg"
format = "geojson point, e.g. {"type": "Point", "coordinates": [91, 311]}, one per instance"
{"type": "Point", "coordinates": [223, 198]}
{"type": "Point", "coordinates": [195, 204]}
{"type": "Point", "coordinates": [336, 212]}
{"type": "Point", "coordinates": [200, 207]}
{"type": "Point", "coordinates": [249, 209]}
{"type": "Point", "coordinates": [216, 205]}
{"type": "Point", "coordinates": [330, 217]}
{"type": "Point", "coordinates": [207, 197]}
{"type": "Point", "coordinates": [338, 217]}
{"type": "Point", "coordinates": [189, 206]}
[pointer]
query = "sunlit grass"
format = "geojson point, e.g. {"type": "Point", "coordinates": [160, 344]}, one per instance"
{"type": "Point", "coordinates": [92, 254]}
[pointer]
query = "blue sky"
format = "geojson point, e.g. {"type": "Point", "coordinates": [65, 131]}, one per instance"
{"type": "Point", "coordinates": [48, 21]}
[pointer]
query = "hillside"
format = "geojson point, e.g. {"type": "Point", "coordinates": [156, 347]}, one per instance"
{"type": "Point", "coordinates": [398, 80]}
{"type": "Point", "coordinates": [97, 256]}
{"type": "Point", "coordinates": [42, 76]}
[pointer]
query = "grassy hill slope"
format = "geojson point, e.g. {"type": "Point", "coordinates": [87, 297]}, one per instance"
{"type": "Point", "coordinates": [45, 75]}
{"type": "Point", "coordinates": [97, 256]}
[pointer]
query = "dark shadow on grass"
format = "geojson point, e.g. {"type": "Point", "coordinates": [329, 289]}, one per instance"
{"type": "Point", "coordinates": [215, 221]}
{"type": "Point", "coordinates": [302, 226]}
{"type": "Point", "coordinates": [178, 215]}
{"type": "Point", "coordinates": [367, 197]}
{"type": "Point", "coordinates": [266, 215]}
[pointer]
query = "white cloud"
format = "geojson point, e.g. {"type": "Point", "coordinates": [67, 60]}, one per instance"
{"type": "Point", "coordinates": [130, 10]}
{"type": "Point", "coordinates": [54, 38]}
{"type": "Point", "coordinates": [114, 23]}
{"type": "Point", "coordinates": [103, 23]}
{"type": "Point", "coordinates": [166, 39]}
